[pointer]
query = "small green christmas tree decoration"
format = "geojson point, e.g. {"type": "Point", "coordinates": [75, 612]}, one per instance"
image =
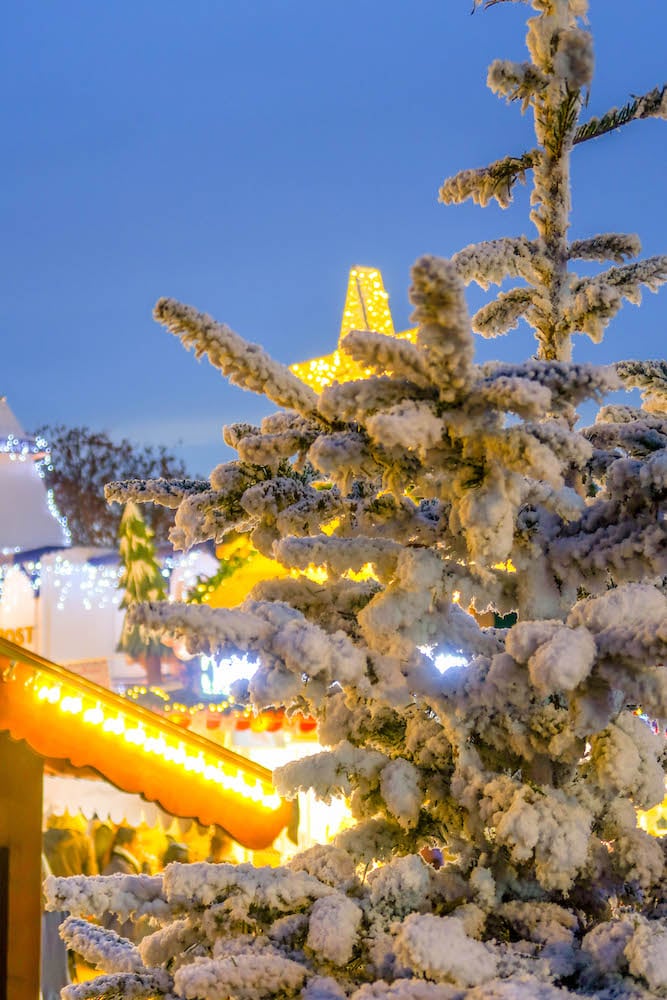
{"type": "Point", "coordinates": [142, 580]}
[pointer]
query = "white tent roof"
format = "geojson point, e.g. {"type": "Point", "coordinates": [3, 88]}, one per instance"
{"type": "Point", "coordinates": [9, 425]}
{"type": "Point", "coordinates": [26, 522]}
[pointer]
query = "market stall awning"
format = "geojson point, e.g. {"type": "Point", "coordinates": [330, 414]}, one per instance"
{"type": "Point", "coordinates": [63, 716]}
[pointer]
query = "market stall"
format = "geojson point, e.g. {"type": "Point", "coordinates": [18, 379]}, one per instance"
{"type": "Point", "coordinates": [48, 712]}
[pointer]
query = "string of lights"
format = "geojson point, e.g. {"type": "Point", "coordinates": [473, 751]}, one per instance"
{"type": "Point", "coordinates": [92, 584]}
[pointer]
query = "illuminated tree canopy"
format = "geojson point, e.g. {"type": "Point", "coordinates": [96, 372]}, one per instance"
{"type": "Point", "coordinates": [430, 485]}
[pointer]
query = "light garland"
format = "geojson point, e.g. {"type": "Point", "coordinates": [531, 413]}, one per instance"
{"type": "Point", "coordinates": [149, 739]}
{"type": "Point", "coordinates": [55, 513]}
{"type": "Point", "coordinates": [295, 725]}
{"type": "Point", "coordinates": [97, 583]}
{"type": "Point", "coordinates": [186, 564]}
{"type": "Point", "coordinates": [20, 449]}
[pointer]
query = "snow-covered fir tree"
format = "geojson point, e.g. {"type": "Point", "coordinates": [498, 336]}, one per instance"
{"type": "Point", "coordinates": [142, 580]}
{"type": "Point", "coordinates": [461, 485]}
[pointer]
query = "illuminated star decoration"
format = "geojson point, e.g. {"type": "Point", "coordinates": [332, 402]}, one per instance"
{"type": "Point", "coordinates": [366, 308]}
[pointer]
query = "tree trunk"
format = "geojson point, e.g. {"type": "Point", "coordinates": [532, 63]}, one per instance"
{"type": "Point", "coordinates": [153, 667]}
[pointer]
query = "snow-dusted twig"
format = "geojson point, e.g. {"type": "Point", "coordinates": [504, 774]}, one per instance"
{"type": "Point", "coordinates": [165, 492]}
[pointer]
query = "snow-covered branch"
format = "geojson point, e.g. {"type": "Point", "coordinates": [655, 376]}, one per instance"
{"type": "Point", "coordinates": [595, 301]}
{"type": "Point", "coordinates": [492, 262]}
{"type": "Point", "coordinates": [616, 247]}
{"type": "Point", "coordinates": [101, 948]}
{"type": "Point", "coordinates": [486, 183]}
{"type": "Point", "coordinates": [651, 105]}
{"type": "Point", "coordinates": [244, 364]}
{"type": "Point", "coordinates": [444, 336]}
{"type": "Point", "coordinates": [504, 313]}
{"type": "Point", "coordinates": [165, 492]}
{"type": "Point", "coordinates": [388, 354]}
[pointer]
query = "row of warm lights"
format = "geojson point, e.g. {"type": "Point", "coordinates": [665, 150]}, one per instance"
{"type": "Point", "coordinates": [170, 750]}
{"type": "Point", "coordinates": [272, 718]}
{"type": "Point", "coordinates": [202, 706]}
{"type": "Point", "coordinates": [139, 689]}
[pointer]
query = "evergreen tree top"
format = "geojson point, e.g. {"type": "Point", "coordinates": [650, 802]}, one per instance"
{"type": "Point", "coordinates": [455, 489]}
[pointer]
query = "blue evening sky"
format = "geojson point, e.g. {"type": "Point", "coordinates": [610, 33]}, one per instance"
{"type": "Point", "coordinates": [241, 155]}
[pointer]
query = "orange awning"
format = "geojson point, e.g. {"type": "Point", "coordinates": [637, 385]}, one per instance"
{"type": "Point", "coordinates": [61, 715]}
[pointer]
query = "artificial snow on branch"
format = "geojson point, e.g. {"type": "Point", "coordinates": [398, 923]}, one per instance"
{"type": "Point", "coordinates": [403, 506]}
{"type": "Point", "coordinates": [387, 354]}
{"type": "Point", "coordinates": [651, 378]}
{"type": "Point", "coordinates": [492, 262]}
{"type": "Point", "coordinates": [504, 313]}
{"type": "Point", "coordinates": [244, 364]}
{"type": "Point", "coordinates": [616, 247]}
{"type": "Point", "coordinates": [595, 301]}
{"type": "Point", "coordinates": [165, 492]}
{"type": "Point", "coordinates": [486, 183]}
{"type": "Point", "coordinates": [444, 326]}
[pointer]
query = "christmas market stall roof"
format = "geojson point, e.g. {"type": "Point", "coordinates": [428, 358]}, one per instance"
{"type": "Point", "coordinates": [61, 716]}
{"type": "Point", "coordinates": [28, 516]}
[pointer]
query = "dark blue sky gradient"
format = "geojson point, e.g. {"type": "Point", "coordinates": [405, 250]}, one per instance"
{"type": "Point", "coordinates": [241, 156]}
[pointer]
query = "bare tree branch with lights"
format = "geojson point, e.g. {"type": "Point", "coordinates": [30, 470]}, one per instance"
{"type": "Point", "coordinates": [436, 485]}
{"type": "Point", "coordinates": [82, 463]}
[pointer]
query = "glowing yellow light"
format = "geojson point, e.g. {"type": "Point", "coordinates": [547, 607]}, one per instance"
{"type": "Point", "coordinates": [508, 566]}
{"type": "Point", "coordinates": [136, 736]}
{"type": "Point", "coordinates": [367, 572]}
{"type": "Point", "coordinates": [116, 726]}
{"type": "Point", "coordinates": [95, 716]}
{"type": "Point", "coordinates": [366, 308]}
{"type": "Point", "coordinates": [315, 573]}
{"type": "Point", "coordinates": [148, 739]}
{"type": "Point", "coordinates": [654, 821]}
{"type": "Point", "coordinates": [71, 704]}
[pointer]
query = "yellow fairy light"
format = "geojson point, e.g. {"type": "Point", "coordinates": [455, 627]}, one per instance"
{"type": "Point", "coordinates": [116, 725]}
{"type": "Point", "coordinates": [136, 736]}
{"type": "Point", "coordinates": [70, 704]}
{"type": "Point", "coordinates": [654, 821]}
{"type": "Point", "coordinates": [95, 716]}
